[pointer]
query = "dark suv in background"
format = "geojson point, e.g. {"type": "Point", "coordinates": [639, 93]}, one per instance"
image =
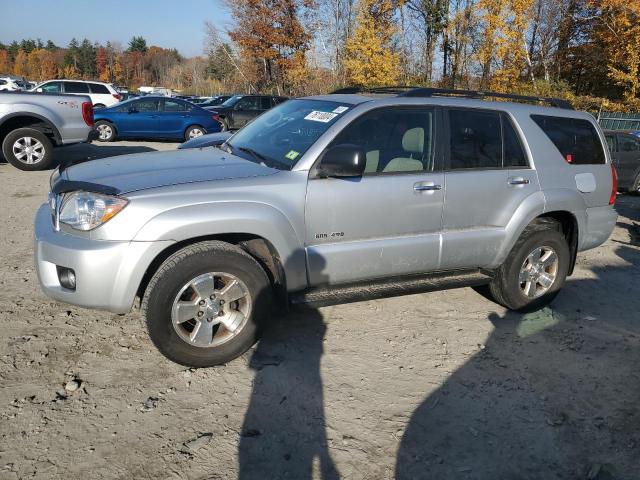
{"type": "Point", "coordinates": [239, 110]}
{"type": "Point", "coordinates": [625, 154]}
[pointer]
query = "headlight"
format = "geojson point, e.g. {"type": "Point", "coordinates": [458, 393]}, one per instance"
{"type": "Point", "coordinates": [87, 210]}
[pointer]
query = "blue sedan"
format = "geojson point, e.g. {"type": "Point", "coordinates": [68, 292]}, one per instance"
{"type": "Point", "coordinates": [154, 117]}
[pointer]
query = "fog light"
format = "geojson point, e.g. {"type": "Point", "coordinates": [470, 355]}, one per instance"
{"type": "Point", "coordinates": [67, 277]}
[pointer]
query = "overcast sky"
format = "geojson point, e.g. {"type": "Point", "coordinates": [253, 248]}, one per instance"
{"type": "Point", "coordinates": [168, 24]}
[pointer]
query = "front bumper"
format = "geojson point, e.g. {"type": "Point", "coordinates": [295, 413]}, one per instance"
{"type": "Point", "coordinates": [108, 273]}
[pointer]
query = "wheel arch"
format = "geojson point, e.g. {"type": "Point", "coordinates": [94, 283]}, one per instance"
{"type": "Point", "coordinates": [261, 249]}
{"type": "Point", "coordinates": [17, 120]}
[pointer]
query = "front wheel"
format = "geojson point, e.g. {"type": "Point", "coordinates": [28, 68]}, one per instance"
{"type": "Point", "coordinates": [28, 149]}
{"type": "Point", "coordinates": [206, 303]}
{"type": "Point", "coordinates": [534, 272]}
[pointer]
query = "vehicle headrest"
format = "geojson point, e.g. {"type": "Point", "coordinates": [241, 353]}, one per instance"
{"type": "Point", "coordinates": [413, 140]}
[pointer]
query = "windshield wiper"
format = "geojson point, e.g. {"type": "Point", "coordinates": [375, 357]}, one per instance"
{"type": "Point", "coordinates": [261, 158]}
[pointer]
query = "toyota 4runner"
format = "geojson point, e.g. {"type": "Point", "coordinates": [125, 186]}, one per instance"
{"type": "Point", "coordinates": [327, 199]}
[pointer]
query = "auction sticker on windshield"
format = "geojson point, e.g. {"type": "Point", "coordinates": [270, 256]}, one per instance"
{"type": "Point", "coordinates": [292, 155]}
{"type": "Point", "coordinates": [324, 117]}
{"type": "Point", "coordinates": [340, 109]}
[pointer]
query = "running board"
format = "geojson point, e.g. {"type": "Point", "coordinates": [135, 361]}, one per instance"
{"type": "Point", "coordinates": [391, 287]}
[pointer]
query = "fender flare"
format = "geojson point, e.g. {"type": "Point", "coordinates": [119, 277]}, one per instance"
{"type": "Point", "coordinates": [54, 129]}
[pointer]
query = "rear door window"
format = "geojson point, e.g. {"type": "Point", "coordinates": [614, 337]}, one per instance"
{"type": "Point", "coordinates": [628, 144]}
{"type": "Point", "coordinates": [173, 106]}
{"type": "Point", "coordinates": [76, 87]}
{"type": "Point", "coordinates": [576, 139]}
{"type": "Point", "coordinates": [475, 139]}
{"type": "Point", "coordinates": [146, 105]}
{"type": "Point", "coordinates": [265, 103]}
{"type": "Point", "coordinates": [98, 88]}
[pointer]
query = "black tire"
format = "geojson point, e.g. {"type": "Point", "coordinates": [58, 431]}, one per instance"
{"type": "Point", "coordinates": [105, 126]}
{"type": "Point", "coordinates": [505, 288]}
{"type": "Point", "coordinates": [99, 105]}
{"type": "Point", "coordinates": [177, 271]}
{"type": "Point", "coordinates": [21, 134]}
{"type": "Point", "coordinates": [635, 188]}
{"type": "Point", "coordinates": [187, 133]}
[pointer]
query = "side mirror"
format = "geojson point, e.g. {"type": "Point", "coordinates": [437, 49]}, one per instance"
{"type": "Point", "coordinates": [346, 160]}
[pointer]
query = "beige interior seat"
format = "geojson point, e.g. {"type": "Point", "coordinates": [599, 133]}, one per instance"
{"type": "Point", "coordinates": [373, 159]}
{"type": "Point", "coordinates": [413, 144]}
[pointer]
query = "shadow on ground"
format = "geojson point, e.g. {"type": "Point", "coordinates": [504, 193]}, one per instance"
{"type": "Point", "coordinates": [552, 394]}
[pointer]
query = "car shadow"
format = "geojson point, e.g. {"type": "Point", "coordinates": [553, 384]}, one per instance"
{"type": "Point", "coordinates": [90, 151]}
{"type": "Point", "coordinates": [551, 394]}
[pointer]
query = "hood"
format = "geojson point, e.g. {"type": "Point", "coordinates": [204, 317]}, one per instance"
{"type": "Point", "coordinates": [208, 140]}
{"type": "Point", "coordinates": [141, 171]}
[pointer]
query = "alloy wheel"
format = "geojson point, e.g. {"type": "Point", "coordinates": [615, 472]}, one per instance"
{"type": "Point", "coordinates": [211, 309]}
{"type": "Point", "coordinates": [28, 150]}
{"type": "Point", "coordinates": [538, 272]}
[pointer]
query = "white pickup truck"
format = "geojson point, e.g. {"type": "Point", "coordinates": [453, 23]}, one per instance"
{"type": "Point", "coordinates": [31, 124]}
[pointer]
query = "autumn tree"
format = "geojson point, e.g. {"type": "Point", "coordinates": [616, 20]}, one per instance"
{"type": "Point", "coordinates": [272, 39]}
{"type": "Point", "coordinates": [617, 28]}
{"type": "Point", "coordinates": [4, 61]}
{"type": "Point", "coordinates": [371, 59]}
{"type": "Point", "coordinates": [21, 64]}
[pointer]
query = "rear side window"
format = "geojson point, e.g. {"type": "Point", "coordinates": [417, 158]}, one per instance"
{"type": "Point", "coordinates": [576, 139]}
{"type": "Point", "coordinates": [475, 140]}
{"type": "Point", "coordinates": [173, 106]}
{"type": "Point", "coordinates": [75, 87]}
{"type": "Point", "coordinates": [97, 88]}
{"type": "Point", "coordinates": [627, 143]}
{"type": "Point", "coordinates": [513, 153]}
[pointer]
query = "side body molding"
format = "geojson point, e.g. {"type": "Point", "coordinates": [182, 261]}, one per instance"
{"type": "Point", "coordinates": [228, 217]}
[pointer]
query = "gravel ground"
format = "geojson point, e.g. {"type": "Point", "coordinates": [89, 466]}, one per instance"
{"type": "Point", "coordinates": [444, 385]}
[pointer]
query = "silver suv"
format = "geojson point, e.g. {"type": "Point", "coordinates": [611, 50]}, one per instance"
{"type": "Point", "coordinates": [325, 199]}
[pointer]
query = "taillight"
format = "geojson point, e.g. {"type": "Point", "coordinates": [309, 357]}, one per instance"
{"type": "Point", "coordinates": [87, 113]}
{"type": "Point", "coordinates": [116, 96]}
{"type": "Point", "coordinates": [614, 185]}
{"type": "Point", "coordinates": [216, 118]}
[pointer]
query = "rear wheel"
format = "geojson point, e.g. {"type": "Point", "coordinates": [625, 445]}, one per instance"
{"type": "Point", "coordinates": [194, 131]}
{"type": "Point", "coordinates": [28, 149]}
{"type": "Point", "coordinates": [106, 131]}
{"type": "Point", "coordinates": [206, 303]}
{"type": "Point", "coordinates": [98, 105]}
{"type": "Point", "coordinates": [534, 271]}
{"type": "Point", "coordinates": [224, 125]}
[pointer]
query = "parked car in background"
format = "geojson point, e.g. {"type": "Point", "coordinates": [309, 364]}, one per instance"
{"type": "Point", "coordinates": [326, 199]}
{"type": "Point", "coordinates": [239, 110]}
{"type": "Point", "coordinates": [213, 101]}
{"type": "Point", "coordinates": [101, 94]}
{"type": "Point", "coordinates": [11, 83]}
{"type": "Point", "coordinates": [208, 140]}
{"type": "Point", "coordinates": [154, 117]}
{"type": "Point", "coordinates": [625, 153]}
{"type": "Point", "coordinates": [200, 100]}
{"type": "Point", "coordinates": [31, 125]}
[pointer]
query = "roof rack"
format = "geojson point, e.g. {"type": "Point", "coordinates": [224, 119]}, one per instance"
{"type": "Point", "coordinates": [407, 91]}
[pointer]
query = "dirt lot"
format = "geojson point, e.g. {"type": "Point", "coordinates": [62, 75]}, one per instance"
{"type": "Point", "coordinates": [443, 385]}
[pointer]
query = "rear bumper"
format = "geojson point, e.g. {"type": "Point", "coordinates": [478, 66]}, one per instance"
{"type": "Point", "coordinates": [600, 223]}
{"type": "Point", "coordinates": [108, 273]}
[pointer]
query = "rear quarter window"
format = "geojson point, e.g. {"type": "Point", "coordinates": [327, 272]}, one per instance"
{"type": "Point", "coordinates": [97, 88]}
{"type": "Point", "coordinates": [576, 139]}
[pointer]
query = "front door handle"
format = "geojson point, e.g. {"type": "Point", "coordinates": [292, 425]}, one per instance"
{"type": "Point", "coordinates": [518, 181]}
{"type": "Point", "coordinates": [426, 187]}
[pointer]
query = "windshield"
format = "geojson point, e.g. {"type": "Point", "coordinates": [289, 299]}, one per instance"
{"type": "Point", "coordinates": [230, 102]}
{"type": "Point", "coordinates": [282, 135]}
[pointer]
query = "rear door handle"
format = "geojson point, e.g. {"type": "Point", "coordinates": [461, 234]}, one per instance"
{"type": "Point", "coordinates": [518, 181]}
{"type": "Point", "coordinates": [426, 187]}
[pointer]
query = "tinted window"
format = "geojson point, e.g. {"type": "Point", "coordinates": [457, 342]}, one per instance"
{"type": "Point", "coordinates": [577, 140]}
{"type": "Point", "coordinates": [265, 103]}
{"type": "Point", "coordinates": [3, 82]}
{"type": "Point", "coordinates": [98, 88]}
{"type": "Point", "coordinates": [248, 103]}
{"type": "Point", "coordinates": [173, 106]}
{"type": "Point", "coordinates": [627, 144]}
{"type": "Point", "coordinates": [611, 142]}
{"type": "Point", "coordinates": [146, 105]}
{"type": "Point", "coordinates": [513, 153]}
{"type": "Point", "coordinates": [394, 140]}
{"type": "Point", "coordinates": [75, 87]}
{"type": "Point", "coordinates": [52, 87]}
{"type": "Point", "coordinates": [475, 140]}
